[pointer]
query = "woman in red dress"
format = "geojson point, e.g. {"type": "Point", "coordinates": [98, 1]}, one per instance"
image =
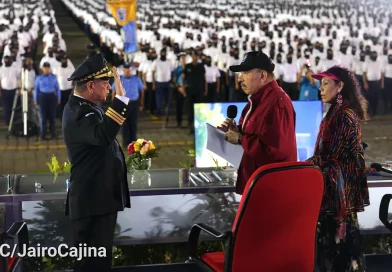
{"type": "Point", "coordinates": [339, 154]}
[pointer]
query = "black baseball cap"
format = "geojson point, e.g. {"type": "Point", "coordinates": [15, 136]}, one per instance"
{"type": "Point", "coordinates": [46, 64]}
{"type": "Point", "coordinates": [127, 65]}
{"type": "Point", "coordinates": [254, 60]}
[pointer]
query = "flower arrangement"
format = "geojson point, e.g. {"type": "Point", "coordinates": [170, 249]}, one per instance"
{"type": "Point", "coordinates": [55, 167]}
{"type": "Point", "coordinates": [140, 154]}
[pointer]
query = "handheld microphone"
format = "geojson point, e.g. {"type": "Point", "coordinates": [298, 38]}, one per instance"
{"type": "Point", "coordinates": [231, 114]}
{"type": "Point", "coordinates": [382, 167]}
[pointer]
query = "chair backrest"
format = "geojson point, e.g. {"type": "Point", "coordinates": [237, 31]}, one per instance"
{"type": "Point", "coordinates": [275, 225]}
{"type": "Point", "coordinates": [17, 233]}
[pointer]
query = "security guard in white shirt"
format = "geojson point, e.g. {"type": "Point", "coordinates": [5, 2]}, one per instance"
{"type": "Point", "coordinates": [63, 72]}
{"type": "Point", "coordinates": [358, 66]}
{"type": "Point", "coordinates": [373, 81]}
{"type": "Point", "coordinates": [9, 77]}
{"type": "Point", "coordinates": [213, 80]}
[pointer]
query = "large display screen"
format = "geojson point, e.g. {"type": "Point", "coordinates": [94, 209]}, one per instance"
{"type": "Point", "coordinates": [308, 118]}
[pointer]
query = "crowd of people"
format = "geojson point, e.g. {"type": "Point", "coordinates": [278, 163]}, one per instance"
{"type": "Point", "coordinates": [301, 37]}
{"type": "Point", "coordinates": [43, 81]}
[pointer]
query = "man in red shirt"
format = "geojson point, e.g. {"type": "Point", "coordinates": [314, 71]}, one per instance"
{"type": "Point", "coordinates": [266, 129]}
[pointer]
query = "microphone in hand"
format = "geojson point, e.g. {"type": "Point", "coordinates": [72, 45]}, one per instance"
{"type": "Point", "coordinates": [229, 123]}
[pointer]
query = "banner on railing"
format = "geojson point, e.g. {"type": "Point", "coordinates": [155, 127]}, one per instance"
{"type": "Point", "coordinates": [124, 11]}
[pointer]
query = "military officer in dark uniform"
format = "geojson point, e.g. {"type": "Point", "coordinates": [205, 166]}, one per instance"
{"type": "Point", "coordinates": [98, 184]}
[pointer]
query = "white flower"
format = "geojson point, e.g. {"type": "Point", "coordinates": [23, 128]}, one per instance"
{"type": "Point", "coordinates": [145, 149]}
{"type": "Point", "coordinates": [354, 265]}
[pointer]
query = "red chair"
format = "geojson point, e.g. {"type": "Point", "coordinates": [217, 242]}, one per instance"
{"type": "Point", "coordinates": [17, 234]}
{"type": "Point", "coordinates": [275, 225]}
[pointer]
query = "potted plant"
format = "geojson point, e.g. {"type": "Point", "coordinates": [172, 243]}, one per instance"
{"type": "Point", "coordinates": [55, 167]}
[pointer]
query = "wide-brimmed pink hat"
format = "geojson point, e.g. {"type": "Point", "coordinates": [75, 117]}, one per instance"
{"type": "Point", "coordinates": [319, 76]}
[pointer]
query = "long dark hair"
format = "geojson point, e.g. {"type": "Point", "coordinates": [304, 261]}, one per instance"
{"type": "Point", "coordinates": [351, 91]}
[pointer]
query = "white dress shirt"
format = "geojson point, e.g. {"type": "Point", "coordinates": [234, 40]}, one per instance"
{"type": "Point", "coordinates": [358, 67]}
{"type": "Point", "coordinates": [212, 73]}
{"type": "Point", "coordinates": [62, 74]}
{"type": "Point", "coordinates": [9, 77]}
{"type": "Point", "coordinates": [147, 70]}
{"type": "Point", "coordinates": [373, 70]}
{"type": "Point", "coordinates": [289, 72]}
{"type": "Point", "coordinates": [163, 70]}
{"type": "Point", "coordinates": [388, 70]}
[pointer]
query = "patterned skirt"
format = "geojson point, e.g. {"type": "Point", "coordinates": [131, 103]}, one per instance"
{"type": "Point", "coordinates": [339, 246]}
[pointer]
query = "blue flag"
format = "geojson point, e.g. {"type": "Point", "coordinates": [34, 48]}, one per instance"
{"type": "Point", "coordinates": [130, 42]}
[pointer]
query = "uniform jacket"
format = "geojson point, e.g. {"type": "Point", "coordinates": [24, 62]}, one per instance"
{"type": "Point", "coordinates": [98, 171]}
{"type": "Point", "coordinates": [267, 125]}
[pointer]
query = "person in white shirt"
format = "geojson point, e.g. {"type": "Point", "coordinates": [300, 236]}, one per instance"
{"type": "Point", "coordinates": [358, 66]}
{"type": "Point", "coordinates": [223, 59]}
{"type": "Point", "coordinates": [289, 76]}
{"type": "Point", "coordinates": [330, 61]}
{"type": "Point", "coordinates": [162, 73]}
{"type": "Point", "coordinates": [50, 58]}
{"type": "Point", "coordinates": [373, 81]}
{"type": "Point", "coordinates": [232, 78]}
{"type": "Point", "coordinates": [9, 80]}
{"type": "Point", "coordinates": [147, 77]}
{"type": "Point", "coordinates": [27, 81]}
{"type": "Point", "coordinates": [213, 80]}
{"type": "Point", "coordinates": [63, 72]}
{"type": "Point", "coordinates": [278, 67]}
{"type": "Point", "coordinates": [387, 92]}
{"type": "Point", "coordinates": [344, 58]}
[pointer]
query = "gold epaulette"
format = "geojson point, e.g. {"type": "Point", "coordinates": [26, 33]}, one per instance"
{"type": "Point", "coordinates": [115, 116]}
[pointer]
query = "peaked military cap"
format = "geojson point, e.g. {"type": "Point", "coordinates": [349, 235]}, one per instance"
{"type": "Point", "coordinates": [91, 69]}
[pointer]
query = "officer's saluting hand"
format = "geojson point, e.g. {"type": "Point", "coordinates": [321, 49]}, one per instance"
{"type": "Point", "coordinates": [119, 88]}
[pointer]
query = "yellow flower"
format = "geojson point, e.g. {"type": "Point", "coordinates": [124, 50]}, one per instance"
{"type": "Point", "coordinates": [152, 146]}
{"type": "Point", "coordinates": [137, 147]}
{"type": "Point", "coordinates": [139, 142]}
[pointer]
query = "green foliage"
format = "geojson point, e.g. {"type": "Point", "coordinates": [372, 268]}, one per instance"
{"type": "Point", "coordinates": [55, 167]}
{"type": "Point", "coordinates": [215, 162]}
{"type": "Point", "coordinates": [191, 162]}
